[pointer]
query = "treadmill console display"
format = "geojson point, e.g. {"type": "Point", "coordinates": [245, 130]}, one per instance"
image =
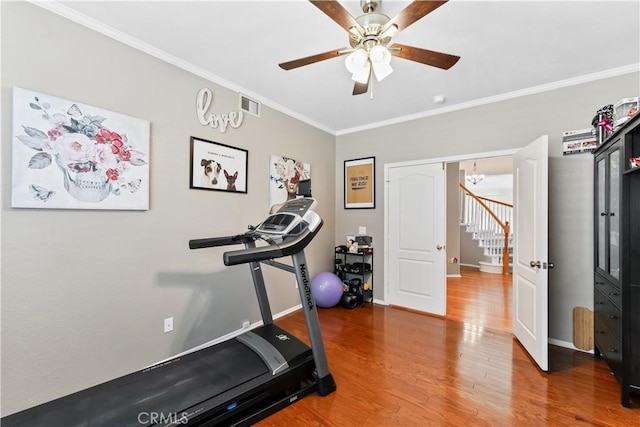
{"type": "Point", "coordinates": [298, 206]}
{"type": "Point", "coordinates": [294, 213]}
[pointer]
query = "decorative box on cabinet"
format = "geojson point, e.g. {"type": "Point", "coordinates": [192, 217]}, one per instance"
{"type": "Point", "coordinates": [617, 256]}
{"type": "Point", "coordinates": [356, 264]}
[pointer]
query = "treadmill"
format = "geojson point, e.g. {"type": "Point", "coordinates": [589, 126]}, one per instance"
{"type": "Point", "coordinates": [234, 383]}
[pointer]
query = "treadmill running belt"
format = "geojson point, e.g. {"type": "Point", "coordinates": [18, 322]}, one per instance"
{"type": "Point", "coordinates": [166, 389]}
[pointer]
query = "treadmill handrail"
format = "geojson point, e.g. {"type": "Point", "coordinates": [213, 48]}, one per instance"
{"type": "Point", "coordinates": [211, 242]}
{"type": "Point", "coordinates": [289, 246]}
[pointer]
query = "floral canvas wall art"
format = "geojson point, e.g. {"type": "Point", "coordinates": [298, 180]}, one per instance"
{"type": "Point", "coordinates": [75, 156]}
{"type": "Point", "coordinates": [284, 175]}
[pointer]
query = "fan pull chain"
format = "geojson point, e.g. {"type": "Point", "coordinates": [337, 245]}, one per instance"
{"type": "Point", "coordinates": [371, 91]}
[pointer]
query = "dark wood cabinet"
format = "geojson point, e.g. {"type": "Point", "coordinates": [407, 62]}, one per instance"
{"type": "Point", "coordinates": [617, 256]}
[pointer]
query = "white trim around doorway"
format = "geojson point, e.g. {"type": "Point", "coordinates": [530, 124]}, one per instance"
{"type": "Point", "coordinates": [448, 159]}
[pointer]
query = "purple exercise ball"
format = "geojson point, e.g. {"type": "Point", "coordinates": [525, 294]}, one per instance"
{"type": "Point", "coordinates": [327, 289]}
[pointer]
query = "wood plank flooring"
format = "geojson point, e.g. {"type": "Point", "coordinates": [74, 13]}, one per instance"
{"type": "Point", "coordinates": [399, 368]}
{"type": "Point", "coordinates": [481, 299]}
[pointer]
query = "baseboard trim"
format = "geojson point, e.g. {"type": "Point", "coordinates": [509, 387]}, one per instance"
{"type": "Point", "coordinates": [413, 310]}
{"type": "Point", "coordinates": [454, 275]}
{"type": "Point", "coordinates": [470, 265]}
{"type": "Point", "coordinates": [567, 344]}
{"type": "Point", "coordinates": [230, 335]}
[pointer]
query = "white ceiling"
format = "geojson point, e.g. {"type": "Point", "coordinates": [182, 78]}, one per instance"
{"type": "Point", "coordinates": [507, 48]}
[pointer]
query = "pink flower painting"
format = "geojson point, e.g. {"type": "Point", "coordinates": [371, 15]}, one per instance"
{"type": "Point", "coordinates": [71, 155]}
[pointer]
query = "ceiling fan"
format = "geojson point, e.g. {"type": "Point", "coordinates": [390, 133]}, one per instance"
{"type": "Point", "coordinates": [370, 39]}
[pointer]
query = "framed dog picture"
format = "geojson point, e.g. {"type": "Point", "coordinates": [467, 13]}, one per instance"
{"type": "Point", "coordinates": [218, 167]}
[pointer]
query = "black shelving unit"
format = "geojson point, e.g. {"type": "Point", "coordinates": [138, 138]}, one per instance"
{"type": "Point", "coordinates": [349, 265]}
{"type": "Point", "coordinates": [617, 251]}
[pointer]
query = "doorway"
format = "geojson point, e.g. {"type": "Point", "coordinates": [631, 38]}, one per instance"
{"type": "Point", "coordinates": [393, 294]}
{"type": "Point", "coordinates": [477, 291]}
{"type": "Point", "coordinates": [530, 223]}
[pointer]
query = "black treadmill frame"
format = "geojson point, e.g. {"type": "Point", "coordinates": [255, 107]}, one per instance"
{"type": "Point", "coordinates": [269, 393]}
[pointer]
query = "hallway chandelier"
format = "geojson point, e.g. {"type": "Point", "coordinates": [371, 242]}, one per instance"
{"type": "Point", "coordinates": [475, 177]}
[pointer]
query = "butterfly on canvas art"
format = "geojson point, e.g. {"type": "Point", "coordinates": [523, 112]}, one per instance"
{"type": "Point", "coordinates": [74, 111]}
{"type": "Point", "coordinates": [41, 193]}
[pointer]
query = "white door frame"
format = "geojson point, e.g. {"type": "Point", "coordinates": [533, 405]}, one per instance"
{"type": "Point", "coordinates": [449, 159]}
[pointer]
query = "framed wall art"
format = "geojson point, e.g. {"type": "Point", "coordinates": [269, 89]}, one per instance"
{"type": "Point", "coordinates": [360, 183]}
{"type": "Point", "coordinates": [69, 155]}
{"type": "Point", "coordinates": [285, 174]}
{"type": "Point", "coordinates": [218, 167]}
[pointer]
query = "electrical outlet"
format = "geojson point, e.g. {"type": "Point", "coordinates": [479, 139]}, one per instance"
{"type": "Point", "coordinates": [246, 324]}
{"type": "Point", "coordinates": [168, 324]}
{"type": "Point", "coordinates": [362, 230]}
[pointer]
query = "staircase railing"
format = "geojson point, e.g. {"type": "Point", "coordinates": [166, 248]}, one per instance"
{"type": "Point", "coordinates": [493, 222]}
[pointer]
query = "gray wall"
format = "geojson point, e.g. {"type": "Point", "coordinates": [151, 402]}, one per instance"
{"type": "Point", "coordinates": [453, 218]}
{"type": "Point", "coordinates": [570, 240]}
{"type": "Point", "coordinates": [470, 253]}
{"type": "Point", "coordinates": [504, 125]}
{"type": "Point", "coordinates": [84, 293]}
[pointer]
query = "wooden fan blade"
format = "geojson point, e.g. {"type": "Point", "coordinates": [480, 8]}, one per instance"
{"type": "Point", "coordinates": [313, 59]}
{"type": "Point", "coordinates": [338, 14]}
{"type": "Point", "coordinates": [415, 11]}
{"type": "Point", "coordinates": [424, 56]}
{"type": "Point", "coordinates": [360, 88]}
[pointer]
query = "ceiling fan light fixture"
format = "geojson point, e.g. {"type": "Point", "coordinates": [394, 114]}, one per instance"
{"type": "Point", "coordinates": [362, 75]}
{"type": "Point", "coordinates": [356, 60]}
{"type": "Point", "coordinates": [380, 61]}
{"type": "Point", "coordinates": [381, 70]}
{"type": "Point", "coordinates": [355, 32]}
{"type": "Point", "coordinates": [389, 32]}
{"type": "Point", "coordinates": [380, 54]}
{"type": "Point", "coordinates": [370, 44]}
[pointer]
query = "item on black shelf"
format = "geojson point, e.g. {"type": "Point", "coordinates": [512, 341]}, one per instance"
{"type": "Point", "coordinates": [345, 285]}
{"type": "Point", "coordinates": [364, 241]}
{"type": "Point", "coordinates": [603, 122]}
{"type": "Point", "coordinates": [354, 285]}
{"type": "Point", "coordinates": [349, 301]}
{"type": "Point", "coordinates": [354, 295]}
{"type": "Point", "coordinates": [341, 248]}
{"type": "Point", "coordinates": [624, 109]}
{"type": "Point", "coordinates": [358, 268]}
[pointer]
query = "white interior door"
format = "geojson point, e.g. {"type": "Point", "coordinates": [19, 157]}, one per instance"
{"type": "Point", "coordinates": [530, 249]}
{"type": "Point", "coordinates": [416, 233]}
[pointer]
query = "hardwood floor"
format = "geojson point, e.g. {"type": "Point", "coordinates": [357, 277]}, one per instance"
{"type": "Point", "coordinates": [481, 299]}
{"type": "Point", "coordinates": [398, 368]}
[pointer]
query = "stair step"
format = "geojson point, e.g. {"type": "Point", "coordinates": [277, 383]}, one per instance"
{"type": "Point", "coordinates": [487, 267]}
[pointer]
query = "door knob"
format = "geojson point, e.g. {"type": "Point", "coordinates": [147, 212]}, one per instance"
{"type": "Point", "coordinates": [439, 247]}
{"type": "Point", "coordinates": [534, 264]}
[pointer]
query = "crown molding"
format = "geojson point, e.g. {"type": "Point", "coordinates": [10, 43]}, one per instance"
{"type": "Point", "coordinates": [79, 18]}
{"type": "Point", "coordinates": [86, 21]}
{"type": "Point", "coordinates": [614, 72]}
